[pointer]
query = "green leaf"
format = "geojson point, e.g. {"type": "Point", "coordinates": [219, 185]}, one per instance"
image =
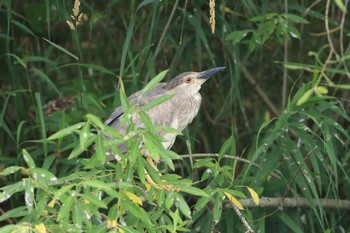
{"type": "Point", "coordinates": [66, 131]}
{"type": "Point", "coordinates": [9, 228]}
{"type": "Point", "coordinates": [202, 202]}
{"type": "Point", "coordinates": [63, 190]}
{"type": "Point", "coordinates": [28, 159]}
{"type": "Point", "coordinates": [10, 170]}
{"type": "Point", "coordinates": [29, 195]}
{"type": "Point", "coordinates": [23, 27]}
{"type": "Point", "coordinates": [84, 135]}
{"type": "Point", "coordinates": [100, 149]}
{"type": "Point", "coordinates": [217, 211]}
{"type": "Point", "coordinates": [157, 101]}
{"type": "Point", "coordinates": [264, 31]}
{"type": "Point", "coordinates": [153, 83]}
{"type": "Point", "coordinates": [341, 5]}
{"type": "Point", "coordinates": [103, 186]}
{"type": "Point", "coordinates": [14, 213]}
{"type": "Point", "coordinates": [78, 149]}
{"type": "Point", "coordinates": [227, 144]}
{"type": "Point", "coordinates": [18, 59]}
{"type": "Point", "coordinates": [146, 120]}
{"type": "Point", "coordinates": [62, 49]}
{"type": "Point", "coordinates": [290, 223]}
{"type": "Point", "coordinates": [90, 66]}
{"type": "Point", "coordinates": [294, 18]}
{"type": "Point", "coordinates": [321, 90]}
{"type": "Point", "coordinates": [207, 162]}
{"type": "Point", "coordinates": [11, 189]}
{"type": "Point", "coordinates": [194, 191]}
{"type": "Point", "coordinates": [46, 79]}
{"type": "Point", "coordinates": [293, 31]}
{"type": "Point", "coordinates": [93, 200]}
{"type": "Point", "coordinates": [182, 205]}
{"type": "Point", "coordinates": [40, 173]}
{"type": "Point", "coordinates": [64, 212]}
{"type": "Point", "coordinates": [305, 97]}
{"type": "Point", "coordinates": [237, 36]}
{"type": "Point", "coordinates": [263, 17]}
{"type": "Point", "coordinates": [95, 121]}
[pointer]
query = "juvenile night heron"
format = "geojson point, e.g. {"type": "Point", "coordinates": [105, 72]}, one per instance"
{"type": "Point", "coordinates": [177, 112]}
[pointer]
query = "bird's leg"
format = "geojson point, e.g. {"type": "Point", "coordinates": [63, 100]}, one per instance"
{"type": "Point", "coordinates": [151, 181]}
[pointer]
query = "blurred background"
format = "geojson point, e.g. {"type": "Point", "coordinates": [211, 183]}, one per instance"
{"type": "Point", "coordinates": [282, 65]}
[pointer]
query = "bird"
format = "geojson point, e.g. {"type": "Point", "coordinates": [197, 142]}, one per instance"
{"type": "Point", "coordinates": [177, 112]}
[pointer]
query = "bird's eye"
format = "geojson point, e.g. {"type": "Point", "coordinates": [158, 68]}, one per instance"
{"type": "Point", "coordinates": [188, 80]}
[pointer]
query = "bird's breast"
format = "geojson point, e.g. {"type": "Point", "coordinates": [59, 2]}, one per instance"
{"type": "Point", "coordinates": [186, 109]}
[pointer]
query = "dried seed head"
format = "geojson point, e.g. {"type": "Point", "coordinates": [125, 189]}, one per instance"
{"type": "Point", "coordinates": [71, 25]}
{"type": "Point", "coordinates": [212, 15]}
{"type": "Point", "coordinates": [76, 8]}
{"type": "Point", "coordinates": [76, 17]}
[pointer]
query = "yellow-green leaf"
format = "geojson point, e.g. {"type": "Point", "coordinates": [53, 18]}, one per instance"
{"type": "Point", "coordinates": [234, 200]}
{"type": "Point", "coordinates": [133, 198]}
{"type": "Point", "coordinates": [40, 228]}
{"type": "Point", "coordinates": [320, 90]}
{"type": "Point", "coordinates": [254, 195]}
{"type": "Point", "coordinates": [304, 97]}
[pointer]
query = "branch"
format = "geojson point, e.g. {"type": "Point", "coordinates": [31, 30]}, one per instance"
{"type": "Point", "coordinates": [297, 202]}
{"type": "Point", "coordinates": [242, 219]}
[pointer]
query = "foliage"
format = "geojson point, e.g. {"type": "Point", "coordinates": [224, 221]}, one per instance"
{"type": "Point", "coordinates": [284, 133]}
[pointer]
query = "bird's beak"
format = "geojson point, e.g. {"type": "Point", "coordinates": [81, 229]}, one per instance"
{"type": "Point", "coordinates": [208, 73]}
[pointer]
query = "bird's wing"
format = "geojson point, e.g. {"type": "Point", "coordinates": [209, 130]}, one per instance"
{"type": "Point", "coordinates": [114, 119]}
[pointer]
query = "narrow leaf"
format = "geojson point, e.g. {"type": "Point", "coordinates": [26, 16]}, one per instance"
{"type": "Point", "coordinates": [10, 170]}
{"type": "Point", "coordinates": [64, 132]}
{"type": "Point", "coordinates": [304, 97]}
{"type": "Point", "coordinates": [133, 198]}
{"type": "Point", "coordinates": [194, 191]}
{"type": "Point", "coordinates": [234, 200]}
{"type": "Point", "coordinates": [62, 49]}
{"type": "Point", "coordinates": [28, 159]}
{"type": "Point", "coordinates": [153, 82]}
{"type": "Point", "coordinates": [254, 195]}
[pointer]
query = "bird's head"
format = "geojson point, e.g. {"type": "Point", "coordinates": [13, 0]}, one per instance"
{"type": "Point", "coordinates": [190, 82]}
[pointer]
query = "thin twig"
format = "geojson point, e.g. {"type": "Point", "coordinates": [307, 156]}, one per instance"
{"type": "Point", "coordinates": [285, 60]}
{"type": "Point", "coordinates": [260, 92]}
{"type": "Point", "coordinates": [242, 219]}
{"type": "Point", "coordinates": [207, 155]}
{"type": "Point", "coordinates": [342, 22]}
{"type": "Point", "coordinates": [297, 172]}
{"type": "Point", "coordinates": [296, 202]}
{"type": "Point", "coordinates": [160, 42]}
{"type": "Point", "coordinates": [327, 27]}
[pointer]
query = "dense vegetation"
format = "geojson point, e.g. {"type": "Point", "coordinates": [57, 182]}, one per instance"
{"type": "Point", "coordinates": [274, 123]}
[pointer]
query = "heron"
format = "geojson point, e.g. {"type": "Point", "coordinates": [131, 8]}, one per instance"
{"type": "Point", "coordinates": [177, 112]}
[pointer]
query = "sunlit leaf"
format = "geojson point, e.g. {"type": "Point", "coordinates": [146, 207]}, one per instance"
{"type": "Point", "coordinates": [305, 97]}
{"type": "Point", "coordinates": [254, 195]}
{"type": "Point", "coordinates": [40, 228]}
{"type": "Point", "coordinates": [29, 160]}
{"type": "Point", "coordinates": [234, 200]}
{"type": "Point", "coordinates": [10, 170]}
{"type": "Point", "coordinates": [133, 198]}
